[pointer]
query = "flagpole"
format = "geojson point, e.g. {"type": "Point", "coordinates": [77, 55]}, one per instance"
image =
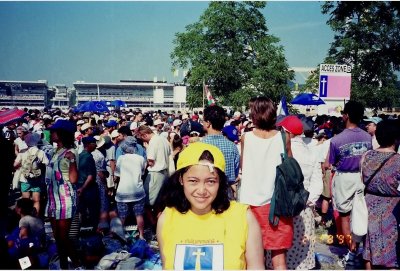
{"type": "Point", "coordinates": [204, 85]}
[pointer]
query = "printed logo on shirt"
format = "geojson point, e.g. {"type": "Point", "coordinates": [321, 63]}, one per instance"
{"type": "Point", "coordinates": [353, 149]}
{"type": "Point", "coordinates": [199, 257]}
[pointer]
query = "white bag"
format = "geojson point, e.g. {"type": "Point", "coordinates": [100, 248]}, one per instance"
{"type": "Point", "coordinates": [359, 215]}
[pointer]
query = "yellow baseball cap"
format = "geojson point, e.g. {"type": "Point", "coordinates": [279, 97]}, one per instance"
{"type": "Point", "coordinates": [191, 155]}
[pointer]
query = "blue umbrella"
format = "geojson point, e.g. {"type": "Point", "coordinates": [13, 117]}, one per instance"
{"type": "Point", "coordinates": [92, 106]}
{"type": "Point", "coordinates": [118, 103]}
{"type": "Point", "coordinates": [307, 99]}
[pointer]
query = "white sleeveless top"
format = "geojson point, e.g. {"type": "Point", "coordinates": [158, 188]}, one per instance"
{"type": "Point", "coordinates": [260, 158]}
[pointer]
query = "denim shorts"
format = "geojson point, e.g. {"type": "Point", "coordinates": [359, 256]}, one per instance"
{"type": "Point", "coordinates": [124, 208]}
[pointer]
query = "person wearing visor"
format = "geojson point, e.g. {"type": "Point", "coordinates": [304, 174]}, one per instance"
{"type": "Point", "coordinates": [200, 228]}
{"type": "Point", "coordinates": [371, 128]}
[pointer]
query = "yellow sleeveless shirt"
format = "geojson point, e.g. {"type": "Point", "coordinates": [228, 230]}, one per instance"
{"type": "Point", "coordinates": [211, 241]}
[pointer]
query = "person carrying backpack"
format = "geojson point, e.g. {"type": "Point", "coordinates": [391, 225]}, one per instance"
{"type": "Point", "coordinates": [261, 154]}
{"type": "Point", "coordinates": [32, 163]}
{"type": "Point", "coordinates": [301, 254]}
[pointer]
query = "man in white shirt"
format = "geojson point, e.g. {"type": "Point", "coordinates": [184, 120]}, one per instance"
{"type": "Point", "coordinates": [130, 195]}
{"type": "Point", "coordinates": [158, 151]}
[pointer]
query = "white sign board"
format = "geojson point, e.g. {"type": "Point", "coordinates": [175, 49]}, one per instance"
{"type": "Point", "coordinates": [158, 96]}
{"type": "Point", "coordinates": [179, 94]}
{"type": "Point", "coordinates": [334, 81]}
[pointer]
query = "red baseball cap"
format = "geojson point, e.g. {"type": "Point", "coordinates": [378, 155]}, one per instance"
{"type": "Point", "coordinates": [292, 124]}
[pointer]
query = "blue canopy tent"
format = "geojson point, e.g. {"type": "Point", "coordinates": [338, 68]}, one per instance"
{"type": "Point", "coordinates": [92, 106]}
{"type": "Point", "coordinates": [118, 103]}
{"type": "Point", "coordinates": [307, 99]}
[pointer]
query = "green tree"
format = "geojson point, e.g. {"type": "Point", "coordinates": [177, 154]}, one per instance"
{"type": "Point", "coordinates": [312, 83]}
{"type": "Point", "coordinates": [229, 49]}
{"type": "Point", "coordinates": [367, 38]}
{"type": "Point", "coordinates": [72, 97]}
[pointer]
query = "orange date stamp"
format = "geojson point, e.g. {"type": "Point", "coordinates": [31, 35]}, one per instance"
{"type": "Point", "coordinates": [326, 238]}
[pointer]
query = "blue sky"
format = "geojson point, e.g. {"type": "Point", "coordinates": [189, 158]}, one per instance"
{"type": "Point", "coordinates": [64, 42]}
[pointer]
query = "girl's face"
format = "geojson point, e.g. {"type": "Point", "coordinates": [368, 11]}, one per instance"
{"type": "Point", "coordinates": [200, 187]}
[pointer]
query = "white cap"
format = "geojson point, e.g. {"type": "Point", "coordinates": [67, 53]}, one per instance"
{"type": "Point", "coordinates": [237, 114]}
{"type": "Point", "coordinates": [130, 114]}
{"type": "Point", "coordinates": [114, 134]}
{"type": "Point", "coordinates": [80, 122]}
{"type": "Point", "coordinates": [85, 126]}
{"type": "Point", "coordinates": [157, 122]}
{"type": "Point", "coordinates": [177, 122]}
{"type": "Point", "coordinates": [100, 141]}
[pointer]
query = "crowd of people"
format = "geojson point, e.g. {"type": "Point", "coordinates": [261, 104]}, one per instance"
{"type": "Point", "coordinates": [201, 183]}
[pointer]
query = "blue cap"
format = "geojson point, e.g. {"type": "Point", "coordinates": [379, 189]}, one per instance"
{"type": "Point", "coordinates": [64, 125]}
{"type": "Point", "coordinates": [375, 120]}
{"type": "Point", "coordinates": [111, 123]}
{"type": "Point", "coordinates": [231, 133]}
{"type": "Point", "coordinates": [88, 140]}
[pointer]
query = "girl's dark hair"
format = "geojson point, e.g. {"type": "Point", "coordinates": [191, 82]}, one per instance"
{"type": "Point", "coordinates": [67, 138]}
{"type": "Point", "coordinates": [387, 133]}
{"type": "Point", "coordinates": [263, 113]}
{"type": "Point", "coordinates": [177, 142]}
{"type": "Point", "coordinates": [172, 195]}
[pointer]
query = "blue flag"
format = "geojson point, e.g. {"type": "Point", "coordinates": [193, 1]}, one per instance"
{"type": "Point", "coordinates": [282, 107]}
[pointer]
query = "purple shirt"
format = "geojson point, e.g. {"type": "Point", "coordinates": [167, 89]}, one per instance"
{"type": "Point", "coordinates": [347, 148]}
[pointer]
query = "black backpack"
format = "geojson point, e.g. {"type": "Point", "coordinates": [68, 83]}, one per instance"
{"type": "Point", "coordinates": [289, 197]}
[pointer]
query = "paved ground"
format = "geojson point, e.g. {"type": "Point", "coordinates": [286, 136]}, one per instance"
{"type": "Point", "coordinates": [327, 256]}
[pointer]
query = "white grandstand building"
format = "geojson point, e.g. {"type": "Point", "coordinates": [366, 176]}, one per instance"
{"type": "Point", "coordinates": [30, 94]}
{"type": "Point", "coordinates": [61, 97]}
{"type": "Point", "coordinates": [137, 94]}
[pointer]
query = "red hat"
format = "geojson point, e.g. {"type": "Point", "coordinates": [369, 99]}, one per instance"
{"type": "Point", "coordinates": [195, 117]}
{"type": "Point", "coordinates": [292, 124]}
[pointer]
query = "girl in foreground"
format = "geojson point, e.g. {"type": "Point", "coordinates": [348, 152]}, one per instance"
{"type": "Point", "coordinates": [200, 228]}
